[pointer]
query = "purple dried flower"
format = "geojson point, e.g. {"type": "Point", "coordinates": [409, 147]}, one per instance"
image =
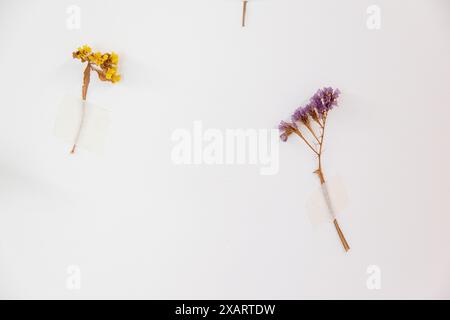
{"type": "Point", "coordinates": [316, 102]}
{"type": "Point", "coordinates": [329, 97]}
{"type": "Point", "coordinates": [324, 100]}
{"type": "Point", "coordinates": [301, 114]}
{"type": "Point", "coordinates": [311, 111]}
{"type": "Point", "coordinates": [320, 103]}
{"type": "Point", "coordinates": [286, 125]}
{"type": "Point", "coordinates": [286, 129]}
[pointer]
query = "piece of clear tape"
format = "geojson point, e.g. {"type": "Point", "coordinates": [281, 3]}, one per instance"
{"type": "Point", "coordinates": [325, 203]}
{"type": "Point", "coordinates": [82, 122]}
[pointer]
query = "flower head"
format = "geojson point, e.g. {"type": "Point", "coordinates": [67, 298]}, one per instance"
{"type": "Point", "coordinates": [82, 53]}
{"type": "Point", "coordinates": [329, 97]}
{"type": "Point", "coordinates": [324, 100]}
{"type": "Point", "coordinates": [114, 58]}
{"type": "Point", "coordinates": [311, 111]}
{"type": "Point", "coordinates": [300, 114]}
{"type": "Point", "coordinates": [106, 63]}
{"type": "Point", "coordinates": [316, 103]}
{"type": "Point", "coordinates": [286, 129]}
{"type": "Point", "coordinates": [320, 103]}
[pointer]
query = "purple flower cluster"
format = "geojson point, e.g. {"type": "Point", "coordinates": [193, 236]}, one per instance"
{"type": "Point", "coordinates": [320, 103]}
{"type": "Point", "coordinates": [301, 114]}
{"type": "Point", "coordinates": [324, 100]}
{"type": "Point", "coordinates": [286, 129]}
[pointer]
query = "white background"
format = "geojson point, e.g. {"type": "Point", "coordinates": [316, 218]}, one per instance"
{"type": "Point", "coordinates": [140, 227]}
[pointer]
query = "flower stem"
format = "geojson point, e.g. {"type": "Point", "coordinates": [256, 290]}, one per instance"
{"type": "Point", "coordinates": [306, 141]}
{"type": "Point", "coordinates": [308, 126]}
{"type": "Point", "coordinates": [320, 174]}
{"type": "Point", "coordinates": [341, 235]}
{"type": "Point", "coordinates": [318, 122]}
{"type": "Point", "coordinates": [86, 80]}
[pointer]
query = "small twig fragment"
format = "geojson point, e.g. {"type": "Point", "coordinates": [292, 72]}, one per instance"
{"type": "Point", "coordinates": [244, 12]}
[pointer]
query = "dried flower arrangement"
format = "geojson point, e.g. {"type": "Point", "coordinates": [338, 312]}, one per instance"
{"type": "Point", "coordinates": [105, 64]}
{"type": "Point", "coordinates": [313, 117]}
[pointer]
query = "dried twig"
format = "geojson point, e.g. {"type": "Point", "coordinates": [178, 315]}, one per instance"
{"type": "Point", "coordinates": [244, 11]}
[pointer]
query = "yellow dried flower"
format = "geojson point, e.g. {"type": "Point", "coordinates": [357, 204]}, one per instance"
{"type": "Point", "coordinates": [110, 73]}
{"type": "Point", "coordinates": [106, 63]}
{"type": "Point", "coordinates": [82, 53]}
{"type": "Point", "coordinates": [114, 58]}
{"type": "Point", "coordinates": [116, 78]}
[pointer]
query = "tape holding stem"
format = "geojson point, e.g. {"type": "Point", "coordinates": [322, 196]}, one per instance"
{"type": "Point", "coordinates": [84, 89]}
{"type": "Point", "coordinates": [329, 204]}
{"type": "Point", "coordinates": [77, 137]}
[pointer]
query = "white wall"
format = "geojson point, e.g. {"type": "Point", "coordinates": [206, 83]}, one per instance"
{"type": "Point", "coordinates": [138, 226]}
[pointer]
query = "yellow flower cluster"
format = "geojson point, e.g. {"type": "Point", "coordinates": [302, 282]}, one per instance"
{"type": "Point", "coordinates": [106, 61]}
{"type": "Point", "coordinates": [111, 71]}
{"type": "Point", "coordinates": [97, 58]}
{"type": "Point", "coordinates": [82, 53]}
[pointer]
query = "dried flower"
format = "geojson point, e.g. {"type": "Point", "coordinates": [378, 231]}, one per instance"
{"type": "Point", "coordinates": [320, 103]}
{"type": "Point", "coordinates": [324, 100]}
{"type": "Point", "coordinates": [82, 53]}
{"type": "Point", "coordinates": [329, 97]}
{"type": "Point", "coordinates": [315, 112]}
{"type": "Point", "coordinates": [105, 64]}
{"type": "Point", "coordinates": [300, 114]}
{"type": "Point", "coordinates": [286, 129]}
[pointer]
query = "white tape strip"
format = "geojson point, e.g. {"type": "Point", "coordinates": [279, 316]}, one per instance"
{"type": "Point", "coordinates": [328, 200]}
{"type": "Point", "coordinates": [326, 196]}
{"type": "Point", "coordinates": [78, 117]}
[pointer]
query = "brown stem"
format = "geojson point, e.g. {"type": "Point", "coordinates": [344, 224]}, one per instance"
{"type": "Point", "coordinates": [322, 135]}
{"type": "Point", "coordinates": [84, 90]}
{"type": "Point", "coordinates": [318, 122]}
{"type": "Point", "coordinates": [319, 172]}
{"type": "Point", "coordinates": [307, 125]}
{"type": "Point", "coordinates": [306, 141]}
{"type": "Point", "coordinates": [73, 149]}
{"type": "Point", "coordinates": [341, 236]}
{"type": "Point", "coordinates": [86, 80]}
{"type": "Point", "coordinates": [244, 12]}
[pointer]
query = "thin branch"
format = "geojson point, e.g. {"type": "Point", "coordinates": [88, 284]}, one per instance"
{"type": "Point", "coordinates": [319, 123]}
{"type": "Point", "coordinates": [307, 125]}
{"type": "Point", "coordinates": [319, 171]}
{"type": "Point", "coordinates": [244, 12]}
{"type": "Point", "coordinates": [306, 141]}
